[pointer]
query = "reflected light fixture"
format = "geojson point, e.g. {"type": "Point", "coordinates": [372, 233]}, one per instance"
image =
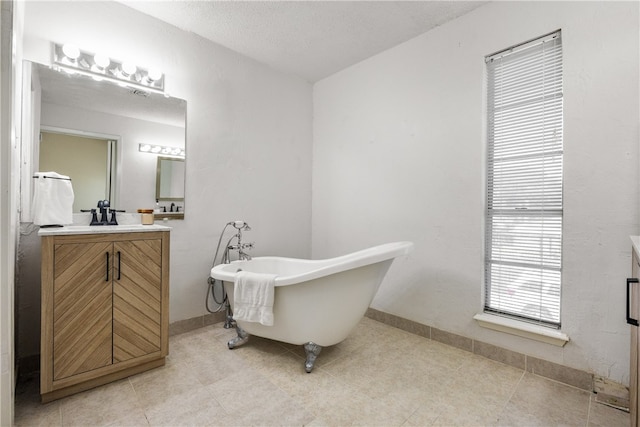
{"type": "Point", "coordinates": [160, 149]}
{"type": "Point", "coordinates": [71, 52]}
{"type": "Point", "coordinates": [71, 59]}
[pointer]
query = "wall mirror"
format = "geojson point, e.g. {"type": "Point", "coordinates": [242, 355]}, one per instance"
{"type": "Point", "coordinates": [77, 105]}
{"type": "Point", "coordinates": [170, 179]}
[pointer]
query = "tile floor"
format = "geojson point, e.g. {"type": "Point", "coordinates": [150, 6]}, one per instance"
{"type": "Point", "coordinates": [379, 376]}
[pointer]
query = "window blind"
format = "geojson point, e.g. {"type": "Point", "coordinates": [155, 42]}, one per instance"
{"type": "Point", "coordinates": [523, 250]}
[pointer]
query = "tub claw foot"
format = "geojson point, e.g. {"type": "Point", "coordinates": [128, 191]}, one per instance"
{"type": "Point", "coordinates": [312, 350]}
{"type": "Point", "coordinates": [242, 338]}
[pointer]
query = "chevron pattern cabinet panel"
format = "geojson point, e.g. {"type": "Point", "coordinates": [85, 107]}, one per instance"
{"type": "Point", "coordinates": [137, 299]}
{"type": "Point", "coordinates": [105, 308]}
{"type": "Point", "coordinates": [82, 313]}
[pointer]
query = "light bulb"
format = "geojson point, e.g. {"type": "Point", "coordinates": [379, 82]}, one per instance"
{"type": "Point", "coordinates": [71, 51]}
{"type": "Point", "coordinates": [101, 61]}
{"type": "Point", "coordinates": [128, 69]}
{"type": "Point", "coordinates": [154, 75]}
{"type": "Point", "coordinates": [145, 148]}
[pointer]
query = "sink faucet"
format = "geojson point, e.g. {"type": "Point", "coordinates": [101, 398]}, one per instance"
{"type": "Point", "coordinates": [103, 205]}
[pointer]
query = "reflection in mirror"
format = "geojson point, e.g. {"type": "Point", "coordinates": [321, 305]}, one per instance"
{"type": "Point", "coordinates": [170, 179]}
{"type": "Point", "coordinates": [92, 176]}
{"type": "Point", "coordinates": [81, 106]}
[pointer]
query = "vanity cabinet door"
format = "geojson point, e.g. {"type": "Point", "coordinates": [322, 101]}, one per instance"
{"type": "Point", "coordinates": [105, 308]}
{"type": "Point", "coordinates": [137, 296]}
{"type": "Point", "coordinates": [82, 292]}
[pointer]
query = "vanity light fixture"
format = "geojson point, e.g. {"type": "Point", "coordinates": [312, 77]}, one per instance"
{"type": "Point", "coordinates": [101, 62]}
{"type": "Point", "coordinates": [160, 149]}
{"type": "Point", "coordinates": [69, 58]}
{"type": "Point", "coordinates": [71, 52]}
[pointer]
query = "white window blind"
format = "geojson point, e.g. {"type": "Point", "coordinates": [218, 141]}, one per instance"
{"type": "Point", "coordinates": [523, 262]}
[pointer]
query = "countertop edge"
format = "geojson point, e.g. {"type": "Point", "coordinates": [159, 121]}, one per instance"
{"type": "Point", "coordinates": [103, 229]}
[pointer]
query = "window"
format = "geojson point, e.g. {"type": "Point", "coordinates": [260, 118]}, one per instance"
{"type": "Point", "coordinates": [523, 264]}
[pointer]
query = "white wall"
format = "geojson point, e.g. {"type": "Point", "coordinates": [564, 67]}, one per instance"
{"type": "Point", "coordinates": [11, 21]}
{"type": "Point", "coordinates": [399, 154]}
{"type": "Point", "coordinates": [248, 134]}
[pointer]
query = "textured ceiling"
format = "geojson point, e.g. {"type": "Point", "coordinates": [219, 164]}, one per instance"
{"type": "Point", "coordinates": [311, 39]}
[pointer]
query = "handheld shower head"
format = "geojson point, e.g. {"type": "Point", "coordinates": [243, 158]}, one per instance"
{"type": "Point", "coordinates": [240, 225]}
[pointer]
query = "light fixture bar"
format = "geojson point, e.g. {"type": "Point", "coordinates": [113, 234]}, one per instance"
{"type": "Point", "coordinates": [100, 67]}
{"type": "Point", "coordinates": [161, 149]}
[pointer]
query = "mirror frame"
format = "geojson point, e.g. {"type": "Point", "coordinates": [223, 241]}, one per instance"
{"type": "Point", "coordinates": [159, 179]}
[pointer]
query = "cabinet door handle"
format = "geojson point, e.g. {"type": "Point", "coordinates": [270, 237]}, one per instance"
{"type": "Point", "coordinates": [631, 321]}
{"type": "Point", "coordinates": [107, 279]}
{"type": "Point", "coordinates": [119, 265]}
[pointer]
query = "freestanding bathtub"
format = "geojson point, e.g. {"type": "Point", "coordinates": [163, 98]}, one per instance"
{"type": "Point", "coordinates": [317, 303]}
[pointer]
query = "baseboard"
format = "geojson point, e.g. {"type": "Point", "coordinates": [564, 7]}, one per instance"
{"type": "Point", "coordinates": [186, 325]}
{"type": "Point", "coordinates": [609, 392]}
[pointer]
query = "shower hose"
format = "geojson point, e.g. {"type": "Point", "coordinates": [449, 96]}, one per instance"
{"type": "Point", "coordinates": [211, 289]}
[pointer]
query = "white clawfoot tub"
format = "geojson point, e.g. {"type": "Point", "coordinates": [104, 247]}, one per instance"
{"type": "Point", "coordinates": [317, 303]}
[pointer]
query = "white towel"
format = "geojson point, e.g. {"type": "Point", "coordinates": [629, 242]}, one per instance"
{"type": "Point", "coordinates": [253, 297]}
{"type": "Point", "coordinates": [52, 199]}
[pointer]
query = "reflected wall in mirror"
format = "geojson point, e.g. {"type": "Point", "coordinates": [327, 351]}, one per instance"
{"type": "Point", "coordinates": [81, 106]}
{"type": "Point", "coordinates": [170, 179]}
{"type": "Point", "coordinates": [92, 176]}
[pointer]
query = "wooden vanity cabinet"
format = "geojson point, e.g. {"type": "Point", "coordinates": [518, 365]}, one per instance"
{"type": "Point", "coordinates": [633, 315]}
{"type": "Point", "coordinates": [105, 300]}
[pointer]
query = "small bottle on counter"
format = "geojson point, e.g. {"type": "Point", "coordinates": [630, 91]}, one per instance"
{"type": "Point", "coordinates": [147, 216]}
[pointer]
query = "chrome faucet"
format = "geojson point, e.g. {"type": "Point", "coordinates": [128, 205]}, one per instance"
{"type": "Point", "coordinates": [240, 247]}
{"type": "Point", "coordinates": [242, 255]}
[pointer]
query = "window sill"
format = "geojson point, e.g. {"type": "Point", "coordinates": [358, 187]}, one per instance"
{"type": "Point", "coordinates": [522, 329]}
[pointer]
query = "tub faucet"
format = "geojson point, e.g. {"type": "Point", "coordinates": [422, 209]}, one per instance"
{"type": "Point", "coordinates": [240, 247]}
{"type": "Point", "coordinates": [242, 255]}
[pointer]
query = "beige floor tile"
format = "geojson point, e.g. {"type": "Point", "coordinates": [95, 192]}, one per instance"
{"type": "Point", "coordinates": [133, 419]}
{"type": "Point", "coordinates": [379, 375]}
{"type": "Point", "coordinates": [339, 404]}
{"type": "Point", "coordinates": [252, 399]}
{"type": "Point", "coordinates": [190, 407]}
{"type": "Point", "coordinates": [155, 387]}
{"type": "Point", "coordinates": [541, 402]}
{"type": "Point", "coordinates": [478, 393]}
{"type": "Point", "coordinates": [101, 406]}
{"type": "Point", "coordinates": [28, 409]}
{"type": "Point", "coordinates": [605, 416]}
{"type": "Point", "coordinates": [428, 412]}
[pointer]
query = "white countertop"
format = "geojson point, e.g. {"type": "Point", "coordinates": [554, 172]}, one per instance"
{"type": "Point", "coordinates": [100, 229]}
